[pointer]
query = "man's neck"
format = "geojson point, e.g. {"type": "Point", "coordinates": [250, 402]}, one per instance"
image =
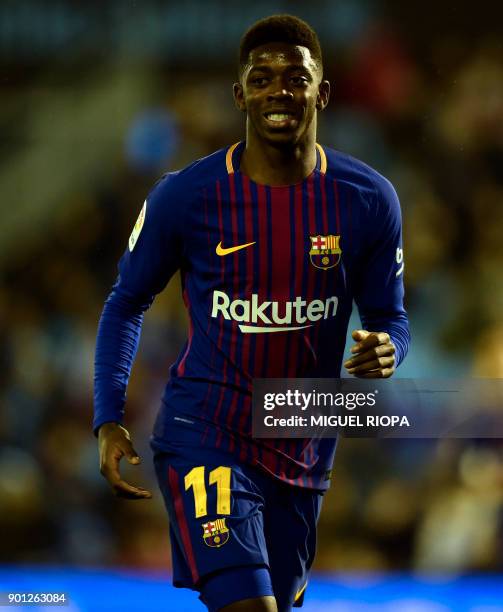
{"type": "Point", "coordinates": [268, 165]}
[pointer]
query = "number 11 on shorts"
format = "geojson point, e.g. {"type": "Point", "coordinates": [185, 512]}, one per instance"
{"type": "Point", "coordinates": [221, 476]}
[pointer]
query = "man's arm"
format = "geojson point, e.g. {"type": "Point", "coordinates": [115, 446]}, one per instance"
{"type": "Point", "coordinates": [116, 345]}
{"type": "Point", "coordinates": [152, 257]}
{"type": "Point", "coordinates": [384, 340]}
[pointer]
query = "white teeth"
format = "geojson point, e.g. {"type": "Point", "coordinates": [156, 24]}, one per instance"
{"type": "Point", "coordinates": [277, 116]}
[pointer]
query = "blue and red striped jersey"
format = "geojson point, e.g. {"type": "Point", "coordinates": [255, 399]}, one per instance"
{"type": "Point", "coordinates": [269, 275]}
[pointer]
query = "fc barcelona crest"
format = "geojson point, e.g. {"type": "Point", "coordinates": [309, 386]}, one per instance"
{"type": "Point", "coordinates": [215, 533]}
{"type": "Point", "coordinates": [325, 251]}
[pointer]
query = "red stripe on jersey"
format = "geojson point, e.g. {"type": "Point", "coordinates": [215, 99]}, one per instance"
{"type": "Point", "coordinates": [235, 329]}
{"type": "Point", "coordinates": [211, 257]}
{"type": "Point", "coordinates": [309, 452]}
{"type": "Point", "coordinates": [325, 229]}
{"type": "Point", "coordinates": [297, 338]}
{"type": "Point", "coordinates": [218, 440]}
{"type": "Point", "coordinates": [211, 248]}
{"type": "Point", "coordinates": [270, 459]}
{"type": "Point", "coordinates": [205, 410]}
{"type": "Point", "coordinates": [311, 205]}
{"type": "Point", "coordinates": [221, 330]}
{"type": "Point", "coordinates": [263, 268]}
{"type": "Point", "coordinates": [337, 211]}
{"type": "Point", "coordinates": [310, 335]}
{"type": "Point", "coordinates": [280, 208]}
{"type": "Point", "coordinates": [248, 218]}
{"type": "Point", "coordinates": [280, 205]}
{"type": "Point", "coordinates": [244, 447]}
{"type": "Point", "coordinates": [230, 415]}
{"type": "Point", "coordinates": [234, 222]}
{"type": "Point", "coordinates": [181, 366]}
{"type": "Point", "coordinates": [262, 341]}
{"type": "Point", "coordinates": [247, 338]}
{"type": "Point", "coordinates": [222, 262]}
{"type": "Point", "coordinates": [182, 522]}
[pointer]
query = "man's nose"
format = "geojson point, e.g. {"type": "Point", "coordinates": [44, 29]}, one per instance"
{"type": "Point", "coordinates": [281, 93]}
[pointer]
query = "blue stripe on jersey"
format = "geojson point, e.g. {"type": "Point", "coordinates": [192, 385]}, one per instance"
{"type": "Point", "coordinates": [266, 191]}
{"type": "Point", "coordinates": [293, 267]}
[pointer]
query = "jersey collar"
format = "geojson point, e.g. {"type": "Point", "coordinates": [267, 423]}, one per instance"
{"type": "Point", "coordinates": [234, 152]}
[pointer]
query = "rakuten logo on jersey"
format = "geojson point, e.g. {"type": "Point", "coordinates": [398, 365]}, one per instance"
{"type": "Point", "coordinates": [261, 317]}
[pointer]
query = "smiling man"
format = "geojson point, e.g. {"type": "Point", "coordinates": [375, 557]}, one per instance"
{"type": "Point", "coordinates": [275, 237]}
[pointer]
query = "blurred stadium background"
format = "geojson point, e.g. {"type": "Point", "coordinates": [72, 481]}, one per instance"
{"type": "Point", "coordinates": [97, 100]}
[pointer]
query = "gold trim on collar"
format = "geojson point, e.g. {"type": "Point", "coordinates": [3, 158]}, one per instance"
{"type": "Point", "coordinates": [323, 159]}
{"type": "Point", "coordinates": [228, 158]}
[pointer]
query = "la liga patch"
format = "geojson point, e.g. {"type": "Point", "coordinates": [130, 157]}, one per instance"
{"type": "Point", "coordinates": [137, 227]}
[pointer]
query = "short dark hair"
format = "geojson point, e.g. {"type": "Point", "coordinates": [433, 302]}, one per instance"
{"type": "Point", "coordinates": [279, 28]}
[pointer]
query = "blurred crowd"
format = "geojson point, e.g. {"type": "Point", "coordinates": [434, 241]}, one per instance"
{"type": "Point", "coordinates": [431, 122]}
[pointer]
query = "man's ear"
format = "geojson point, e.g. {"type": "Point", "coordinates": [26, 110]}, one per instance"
{"type": "Point", "coordinates": [323, 95]}
{"type": "Point", "coordinates": [239, 99]}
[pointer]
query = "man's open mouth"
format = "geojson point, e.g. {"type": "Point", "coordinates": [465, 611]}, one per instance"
{"type": "Point", "coordinates": [280, 118]}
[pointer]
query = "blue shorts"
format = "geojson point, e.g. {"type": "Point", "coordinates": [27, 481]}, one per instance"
{"type": "Point", "coordinates": [233, 525]}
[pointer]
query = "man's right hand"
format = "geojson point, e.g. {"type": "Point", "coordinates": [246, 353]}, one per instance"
{"type": "Point", "coordinates": [114, 443]}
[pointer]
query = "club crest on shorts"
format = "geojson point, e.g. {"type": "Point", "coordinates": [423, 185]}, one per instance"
{"type": "Point", "coordinates": [325, 251]}
{"type": "Point", "coordinates": [215, 533]}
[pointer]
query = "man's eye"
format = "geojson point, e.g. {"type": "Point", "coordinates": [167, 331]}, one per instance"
{"type": "Point", "coordinates": [298, 80]}
{"type": "Point", "coordinates": [258, 80]}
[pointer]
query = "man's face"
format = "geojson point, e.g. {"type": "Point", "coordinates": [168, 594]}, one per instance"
{"type": "Point", "coordinates": [281, 89]}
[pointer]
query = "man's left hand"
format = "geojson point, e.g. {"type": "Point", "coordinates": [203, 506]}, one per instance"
{"type": "Point", "coordinates": [373, 355]}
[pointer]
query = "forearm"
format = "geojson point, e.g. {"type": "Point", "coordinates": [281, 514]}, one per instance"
{"type": "Point", "coordinates": [116, 345]}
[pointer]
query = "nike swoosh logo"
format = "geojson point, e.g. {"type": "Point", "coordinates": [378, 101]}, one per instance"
{"type": "Point", "coordinates": [221, 251]}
